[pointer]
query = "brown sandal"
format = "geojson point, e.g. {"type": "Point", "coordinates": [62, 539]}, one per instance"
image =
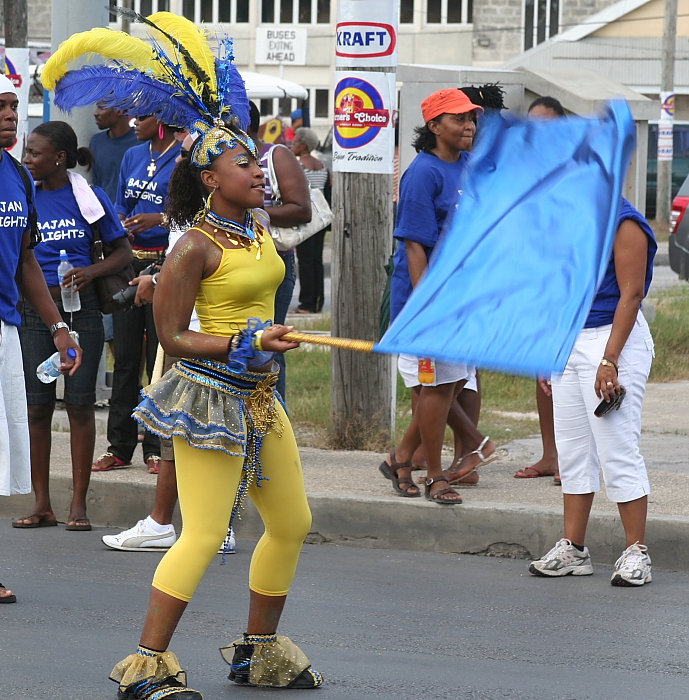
{"type": "Point", "coordinates": [389, 471]}
{"type": "Point", "coordinates": [437, 497]}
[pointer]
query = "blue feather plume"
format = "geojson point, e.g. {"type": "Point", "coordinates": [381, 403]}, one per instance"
{"type": "Point", "coordinates": [128, 90]}
{"type": "Point", "coordinates": [233, 94]}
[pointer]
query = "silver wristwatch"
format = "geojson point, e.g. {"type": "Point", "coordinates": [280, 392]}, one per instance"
{"type": "Point", "coordinates": [56, 327]}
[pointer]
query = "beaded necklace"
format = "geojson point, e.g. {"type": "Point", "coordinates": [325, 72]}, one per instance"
{"type": "Point", "coordinates": [245, 236]}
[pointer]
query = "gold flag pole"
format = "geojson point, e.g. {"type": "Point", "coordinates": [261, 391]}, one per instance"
{"type": "Point", "coordinates": [342, 343]}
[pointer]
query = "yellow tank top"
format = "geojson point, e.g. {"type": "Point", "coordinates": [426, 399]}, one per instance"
{"type": "Point", "coordinates": [241, 288]}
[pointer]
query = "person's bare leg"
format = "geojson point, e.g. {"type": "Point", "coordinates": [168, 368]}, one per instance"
{"type": "Point", "coordinates": [40, 422]}
{"type": "Point", "coordinates": [470, 402]}
{"type": "Point", "coordinates": [411, 440]}
{"type": "Point", "coordinates": [464, 467]}
{"type": "Point", "coordinates": [577, 510]}
{"type": "Point", "coordinates": [264, 613]}
{"type": "Point", "coordinates": [548, 464]}
{"type": "Point", "coordinates": [162, 617]}
{"type": "Point", "coordinates": [166, 493]}
{"type": "Point", "coordinates": [82, 440]}
{"type": "Point", "coordinates": [633, 515]}
{"type": "Point", "coordinates": [432, 410]}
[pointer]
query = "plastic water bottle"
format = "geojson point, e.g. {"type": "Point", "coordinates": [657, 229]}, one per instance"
{"type": "Point", "coordinates": [70, 296]}
{"type": "Point", "coordinates": [426, 371]}
{"type": "Point", "coordinates": [49, 370]}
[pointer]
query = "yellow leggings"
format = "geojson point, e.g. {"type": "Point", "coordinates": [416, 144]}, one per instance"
{"type": "Point", "coordinates": [207, 482]}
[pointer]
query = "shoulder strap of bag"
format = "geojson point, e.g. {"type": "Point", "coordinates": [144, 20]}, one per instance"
{"type": "Point", "coordinates": [33, 214]}
{"type": "Point", "coordinates": [274, 185]}
{"type": "Point", "coordinates": [97, 249]}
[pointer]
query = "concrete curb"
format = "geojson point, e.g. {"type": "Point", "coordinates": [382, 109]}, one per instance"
{"type": "Point", "coordinates": [493, 529]}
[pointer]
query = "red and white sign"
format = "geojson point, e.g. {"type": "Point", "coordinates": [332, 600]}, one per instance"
{"type": "Point", "coordinates": [366, 34]}
{"type": "Point", "coordinates": [15, 66]}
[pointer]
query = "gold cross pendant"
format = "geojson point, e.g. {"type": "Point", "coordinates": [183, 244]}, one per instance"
{"type": "Point", "coordinates": [151, 169]}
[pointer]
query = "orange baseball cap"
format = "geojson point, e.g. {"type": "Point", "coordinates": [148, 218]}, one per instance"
{"type": "Point", "coordinates": [447, 101]}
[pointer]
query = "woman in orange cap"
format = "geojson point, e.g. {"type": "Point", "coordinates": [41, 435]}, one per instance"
{"type": "Point", "coordinates": [428, 195]}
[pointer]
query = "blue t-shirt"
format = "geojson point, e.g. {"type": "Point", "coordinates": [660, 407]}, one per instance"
{"type": "Point", "coordinates": [63, 227]}
{"type": "Point", "coordinates": [14, 222]}
{"type": "Point", "coordinates": [428, 195]}
{"type": "Point", "coordinates": [109, 152]}
{"type": "Point", "coordinates": [134, 179]}
{"type": "Point", "coordinates": [608, 295]}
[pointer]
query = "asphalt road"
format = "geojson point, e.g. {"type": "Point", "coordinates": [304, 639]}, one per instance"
{"type": "Point", "coordinates": [377, 624]}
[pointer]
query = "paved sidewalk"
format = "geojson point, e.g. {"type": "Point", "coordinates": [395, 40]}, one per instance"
{"type": "Point", "coordinates": [502, 516]}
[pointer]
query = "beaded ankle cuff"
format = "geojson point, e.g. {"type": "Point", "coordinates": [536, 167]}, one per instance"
{"type": "Point", "coordinates": [145, 651]}
{"type": "Point", "coordinates": [259, 638]}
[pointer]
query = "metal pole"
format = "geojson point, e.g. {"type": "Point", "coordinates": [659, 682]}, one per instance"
{"type": "Point", "coordinates": [70, 17]}
{"type": "Point", "coordinates": [667, 100]}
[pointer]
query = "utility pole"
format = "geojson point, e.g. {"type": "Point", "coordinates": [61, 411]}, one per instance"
{"type": "Point", "coordinates": [667, 111]}
{"type": "Point", "coordinates": [363, 163]}
{"type": "Point", "coordinates": [16, 27]}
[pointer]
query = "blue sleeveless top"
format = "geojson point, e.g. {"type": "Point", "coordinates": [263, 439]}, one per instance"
{"type": "Point", "coordinates": [608, 295]}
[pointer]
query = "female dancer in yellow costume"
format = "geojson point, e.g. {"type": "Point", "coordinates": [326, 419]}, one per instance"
{"type": "Point", "coordinates": [230, 433]}
{"type": "Point", "coordinates": [218, 404]}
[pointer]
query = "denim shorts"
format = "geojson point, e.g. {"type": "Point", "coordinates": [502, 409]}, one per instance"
{"type": "Point", "coordinates": [38, 345]}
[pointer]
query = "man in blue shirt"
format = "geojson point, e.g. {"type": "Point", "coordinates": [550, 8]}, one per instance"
{"type": "Point", "coordinates": [19, 271]}
{"type": "Point", "coordinates": [109, 146]}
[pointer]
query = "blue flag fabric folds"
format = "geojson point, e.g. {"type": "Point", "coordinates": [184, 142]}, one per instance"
{"type": "Point", "coordinates": [511, 282]}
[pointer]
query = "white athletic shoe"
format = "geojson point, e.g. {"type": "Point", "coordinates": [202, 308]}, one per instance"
{"type": "Point", "coordinates": [228, 542]}
{"type": "Point", "coordinates": [564, 558]}
{"type": "Point", "coordinates": [633, 568]}
{"type": "Point", "coordinates": [142, 538]}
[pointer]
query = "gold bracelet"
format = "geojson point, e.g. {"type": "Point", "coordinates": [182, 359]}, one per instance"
{"type": "Point", "coordinates": [164, 220]}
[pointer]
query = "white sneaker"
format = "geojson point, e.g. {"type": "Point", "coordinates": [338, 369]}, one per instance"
{"type": "Point", "coordinates": [633, 568]}
{"type": "Point", "coordinates": [564, 558]}
{"type": "Point", "coordinates": [229, 545]}
{"type": "Point", "coordinates": [142, 538]}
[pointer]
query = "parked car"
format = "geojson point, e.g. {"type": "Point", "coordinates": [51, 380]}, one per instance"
{"type": "Point", "coordinates": [678, 243]}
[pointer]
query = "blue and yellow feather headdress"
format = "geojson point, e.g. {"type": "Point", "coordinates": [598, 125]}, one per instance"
{"type": "Point", "coordinates": [176, 77]}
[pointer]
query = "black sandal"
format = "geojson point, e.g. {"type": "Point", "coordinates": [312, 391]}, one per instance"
{"type": "Point", "coordinates": [389, 471]}
{"type": "Point", "coordinates": [437, 496]}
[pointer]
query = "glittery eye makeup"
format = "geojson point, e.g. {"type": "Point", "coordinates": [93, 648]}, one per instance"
{"type": "Point", "coordinates": [242, 160]}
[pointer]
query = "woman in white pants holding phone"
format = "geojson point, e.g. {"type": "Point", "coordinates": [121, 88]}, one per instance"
{"type": "Point", "coordinates": [609, 366]}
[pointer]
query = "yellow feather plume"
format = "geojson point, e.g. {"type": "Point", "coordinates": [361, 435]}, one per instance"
{"type": "Point", "coordinates": [108, 43]}
{"type": "Point", "coordinates": [193, 39]}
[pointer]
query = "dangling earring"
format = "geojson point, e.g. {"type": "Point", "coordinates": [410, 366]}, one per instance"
{"type": "Point", "coordinates": [161, 131]}
{"type": "Point", "coordinates": [207, 206]}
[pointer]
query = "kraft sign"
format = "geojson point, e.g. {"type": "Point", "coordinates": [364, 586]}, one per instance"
{"type": "Point", "coordinates": [365, 39]}
{"type": "Point", "coordinates": [366, 33]}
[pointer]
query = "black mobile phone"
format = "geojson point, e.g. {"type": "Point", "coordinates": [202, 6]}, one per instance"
{"type": "Point", "coordinates": [604, 407]}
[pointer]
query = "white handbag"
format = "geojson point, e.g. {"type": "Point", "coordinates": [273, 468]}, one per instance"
{"type": "Point", "coordinates": [288, 237]}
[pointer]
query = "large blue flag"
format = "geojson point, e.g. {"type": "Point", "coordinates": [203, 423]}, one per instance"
{"type": "Point", "coordinates": [512, 280]}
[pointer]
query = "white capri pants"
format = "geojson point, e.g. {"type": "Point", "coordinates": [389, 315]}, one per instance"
{"type": "Point", "coordinates": [585, 444]}
{"type": "Point", "coordinates": [445, 373]}
{"type": "Point", "coordinates": [15, 459]}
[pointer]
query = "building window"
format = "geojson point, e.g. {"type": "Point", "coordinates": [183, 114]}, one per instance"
{"type": "Point", "coordinates": [209, 11]}
{"type": "Point", "coordinates": [541, 21]}
{"type": "Point", "coordinates": [446, 11]}
{"type": "Point", "coordinates": [266, 108]}
{"type": "Point", "coordinates": [321, 103]}
{"type": "Point", "coordinates": [406, 11]}
{"type": "Point", "coordinates": [295, 11]}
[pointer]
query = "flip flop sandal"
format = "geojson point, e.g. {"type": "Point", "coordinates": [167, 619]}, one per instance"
{"type": "Point", "coordinates": [8, 598]}
{"type": "Point", "coordinates": [522, 475]}
{"type": "Point", "coordinates": [456, 479]}
{"type": "Point", "coordinates": [437, 496]}
{"type": "Point", "coordinates": [42, 522]}
{"type": "Point", "coordinates": [80, 525]}
{"type": "Point", "coordinates": [390, 472]}
{"type": "Point", "coordinates": [557, 481]}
